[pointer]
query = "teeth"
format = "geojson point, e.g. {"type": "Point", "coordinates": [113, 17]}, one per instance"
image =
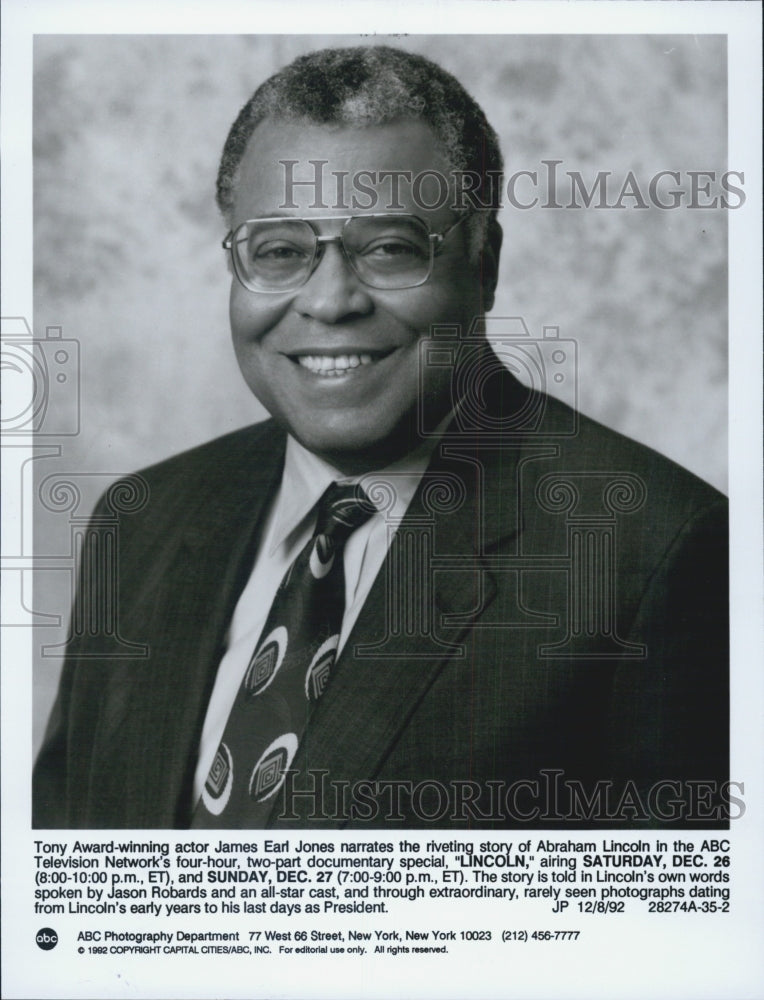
{"type": "Point", "coordinates": [328, 365]}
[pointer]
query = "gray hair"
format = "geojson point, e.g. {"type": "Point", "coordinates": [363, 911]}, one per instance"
{"type": "Point", "coordinates": [372, 85]}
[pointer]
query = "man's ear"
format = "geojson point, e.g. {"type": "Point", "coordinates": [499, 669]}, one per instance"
{"type": "Point", "coordinates": [489, 263]}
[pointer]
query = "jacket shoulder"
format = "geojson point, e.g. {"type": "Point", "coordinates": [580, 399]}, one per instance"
{"type": "Point", "coordinates": [585, 445]}
{"type": "Point", "coordinates": [248, 444]}
{"type": "Point", "coordinates": [197, 485]}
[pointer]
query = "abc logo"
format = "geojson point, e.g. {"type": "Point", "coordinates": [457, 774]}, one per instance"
{"type": "Point", "coordinates": [46, 938]}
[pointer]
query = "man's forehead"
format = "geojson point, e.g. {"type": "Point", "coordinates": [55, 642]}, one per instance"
{"type": "Point", "coordinates": [296, 164]}
{"type": "Point", "coordinates": [399, 141]}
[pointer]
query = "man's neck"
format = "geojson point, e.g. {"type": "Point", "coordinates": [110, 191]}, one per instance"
{"type": "Point", "coordinates": [411, 445]}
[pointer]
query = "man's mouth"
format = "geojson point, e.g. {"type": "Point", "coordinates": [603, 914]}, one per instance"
{"type": "Point", "coordinates": [331, 365]}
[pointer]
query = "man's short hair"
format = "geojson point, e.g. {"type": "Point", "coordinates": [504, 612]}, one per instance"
{"type": "Point", "coordinates": [371, 85]}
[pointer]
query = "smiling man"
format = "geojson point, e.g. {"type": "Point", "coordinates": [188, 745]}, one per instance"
{"type": "Point", "coordinates": [418, 594]}
{"type": "Point", "coordinates": [335, 359]}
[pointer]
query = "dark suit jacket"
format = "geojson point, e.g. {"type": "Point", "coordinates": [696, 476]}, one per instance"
{"type": "Point", "coordinates": [567, 648]}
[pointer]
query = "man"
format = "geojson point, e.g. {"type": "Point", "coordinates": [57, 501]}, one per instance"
{"type": "Point", "coordinates": [420, 594]}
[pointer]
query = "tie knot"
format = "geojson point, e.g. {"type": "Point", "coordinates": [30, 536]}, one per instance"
{"type": "Point", "coordinates": [341, 510]}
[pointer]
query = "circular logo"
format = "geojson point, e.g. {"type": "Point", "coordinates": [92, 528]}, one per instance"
{"type": "Point", "coordinates": [46, 938]}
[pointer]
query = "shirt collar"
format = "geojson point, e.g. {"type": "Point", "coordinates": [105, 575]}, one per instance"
{"type": "Point", "coordinates": [306, 478]}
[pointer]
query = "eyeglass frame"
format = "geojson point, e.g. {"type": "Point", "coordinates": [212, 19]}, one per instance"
{"type": "Point", "coordinates": [435, 240]}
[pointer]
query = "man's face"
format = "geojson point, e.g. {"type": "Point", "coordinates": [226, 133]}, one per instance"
{"type": "Point", "coordinates": [365, 417]}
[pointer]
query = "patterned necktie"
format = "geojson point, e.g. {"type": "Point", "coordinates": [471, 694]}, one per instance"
{"type": "Point", "coordinates": [287, 673]}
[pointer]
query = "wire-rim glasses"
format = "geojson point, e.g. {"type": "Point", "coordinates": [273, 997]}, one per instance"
{"type": "Point", "coordinates": [385, 251]}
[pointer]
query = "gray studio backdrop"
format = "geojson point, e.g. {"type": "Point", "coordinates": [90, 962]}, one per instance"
{"type": "Point", "coordinates": [129, 270]}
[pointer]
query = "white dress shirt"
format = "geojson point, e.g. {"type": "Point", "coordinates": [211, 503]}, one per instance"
{"type": "Point", "coordinates": [289, 524]}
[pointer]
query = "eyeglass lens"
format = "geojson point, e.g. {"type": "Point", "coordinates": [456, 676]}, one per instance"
{"type": "Point", "coordinates": [388, 252]}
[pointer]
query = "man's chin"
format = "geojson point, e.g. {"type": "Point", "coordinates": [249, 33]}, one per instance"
{"type": "Point", "coordinates": [353, 453]}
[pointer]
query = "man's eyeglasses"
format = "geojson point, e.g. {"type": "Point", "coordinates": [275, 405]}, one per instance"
{"type": "Point", "coordinates": [384, 251]}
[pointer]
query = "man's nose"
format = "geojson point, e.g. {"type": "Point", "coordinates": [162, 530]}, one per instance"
{"type": "Point", "coordinates": [333, 292]}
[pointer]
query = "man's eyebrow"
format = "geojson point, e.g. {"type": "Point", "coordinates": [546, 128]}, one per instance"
{"type": "Point", "coordinates": [288, 215]}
